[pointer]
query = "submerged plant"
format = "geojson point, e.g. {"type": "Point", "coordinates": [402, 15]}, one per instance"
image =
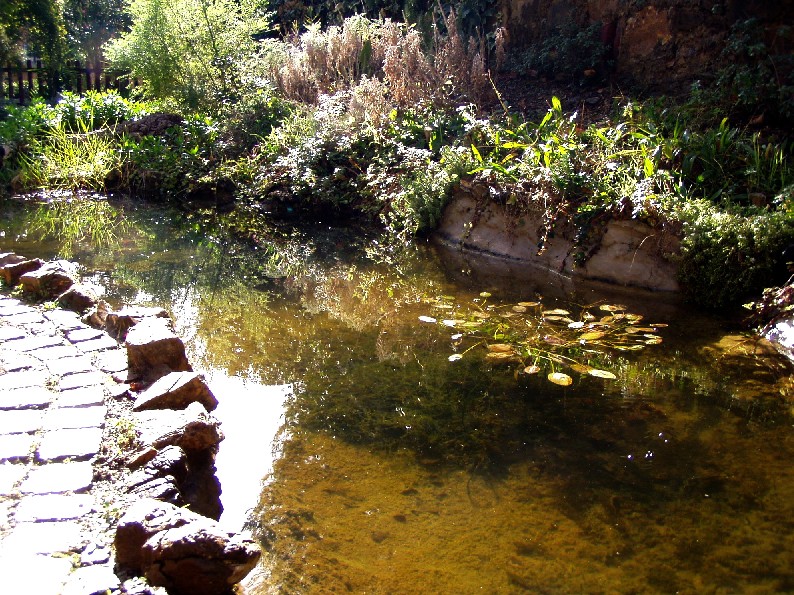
{"type": "Point", "coordinates": [538, 339]}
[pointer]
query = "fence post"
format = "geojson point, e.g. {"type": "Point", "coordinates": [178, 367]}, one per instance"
{"type": "Point", "coordinates": [38, 78]}
{"type": "Point", "coordinates": [2, 76]}
{"type": "Point", "coordinates": [21, 81]}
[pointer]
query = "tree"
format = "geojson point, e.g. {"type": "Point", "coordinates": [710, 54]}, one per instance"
{"type": "Point", "coordinates": [189, 51]}
{"type": "Point", "coordinates": [91, 23]}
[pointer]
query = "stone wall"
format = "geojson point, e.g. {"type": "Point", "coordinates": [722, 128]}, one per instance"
{"type": "Point", "coordinates": [653, 42]}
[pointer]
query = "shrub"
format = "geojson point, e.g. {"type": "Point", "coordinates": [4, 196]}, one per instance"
{"type": "Point", "coordinates": [189, 51]}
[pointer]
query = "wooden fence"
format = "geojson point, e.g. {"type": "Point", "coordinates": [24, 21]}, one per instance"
{"type": "Point", "coordinates": [24, 80]}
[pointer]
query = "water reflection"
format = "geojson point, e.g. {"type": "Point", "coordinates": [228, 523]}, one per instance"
{"type": "Point", "coordinates": [400, 472]}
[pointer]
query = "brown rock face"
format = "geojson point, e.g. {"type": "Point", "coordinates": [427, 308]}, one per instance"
{"type": "Point", "coordinates": [153, 345]}
{"type": "Point", "coordinates": [118, 323]}
{"type": "Point", "coordinates": [79, 297]}
{"type": "Point", "coordinates": [193, 429]}
{"type": "Point", "coordinates": [50, 279]}
{"type": "Point", "coordinates": [198, 558]}
{"type": "Point", "coordinates": [182, 551]}
{"type": "Point", "coordinates": [177, 390]}
{"type": "Point", "coordinates": [14, 270]}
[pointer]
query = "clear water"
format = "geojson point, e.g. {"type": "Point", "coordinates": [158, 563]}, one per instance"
{"type": "Point", "coordinates": [367, 462]}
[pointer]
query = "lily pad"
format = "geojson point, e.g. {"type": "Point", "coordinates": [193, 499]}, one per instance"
{"type": "Point", "coordinates": [560, 378]}
{"type": "Point", "coordinates": [601, 374]}
{"type": "Point", "coordinates": [529, 304]}
{"type": "Point", "coordinates": [455, 357]}
{"type": "Point", "coordinates": [591, 336]}
{"type": "Point", "coordinates": [576, 325]}
{"type": "Point", "coordinates": [556, 312]}
{"type": "Point", "coordinates": [427, 319]}
{"type": "Point", "coordinates": [531, 370]}
{"type": "Point", "coordinates": [500, 348]}
{"type": "Point", "coordinates": [519, 309]}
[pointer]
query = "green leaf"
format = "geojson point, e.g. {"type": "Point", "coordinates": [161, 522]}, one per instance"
{"type": "Point", "coordinates": [476, 154]}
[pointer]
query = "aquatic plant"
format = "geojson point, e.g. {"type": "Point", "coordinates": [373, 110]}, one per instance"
{"type": "Point", "coordinates": [535, 338]}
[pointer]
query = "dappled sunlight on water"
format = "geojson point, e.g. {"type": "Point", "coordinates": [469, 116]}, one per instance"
{"type": "Point", "coordinates": [366, 461]}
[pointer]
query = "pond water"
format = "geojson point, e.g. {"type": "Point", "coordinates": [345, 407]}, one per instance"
{"type": "Point", "coordinates": [367, 460]}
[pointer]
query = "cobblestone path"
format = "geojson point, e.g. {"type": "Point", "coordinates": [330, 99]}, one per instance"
{"type": "Point", "coordinates": [55, 376]}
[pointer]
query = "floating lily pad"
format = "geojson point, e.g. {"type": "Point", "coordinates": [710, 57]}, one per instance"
{"type": "Point", "coordinates": [485, 294]}
{"type": "Point", "coordinates": [612, 307]}
{"type": "Point", "coordinates": [581, 368]}
{"type": "Point", "coordinates": [591, 336]}
{"type": "Point", "coordinates": [531, 370]}
{"type": "Point", "coordinates": [601, 374]}
{"type": "Point", "coordinates": [529, 304]}
{"type": "Point", "coordinates": [455, 357]}
{"type": "Point", "coordinates": [427, 319]}
{"type": "Point", "coordinates": [495, 356]}
{"type": "Point", "coordinates": [500, 348]}
{"type": "Point", "coordinates": [576, 325]}
{"type": "Point", "coordinates": [556, 312]}
{"type": "Point", "coordinates": [519, 309]}
{"type": "Point", "coordinates": [560, 378]}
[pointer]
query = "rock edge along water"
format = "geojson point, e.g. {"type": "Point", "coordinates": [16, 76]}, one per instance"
{"type": "Point", "coordinates": [67, 431]}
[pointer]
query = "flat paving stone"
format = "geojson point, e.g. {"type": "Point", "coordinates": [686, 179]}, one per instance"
{"type": "Point", "coordinates": [9, 333]}
{"type": "Point", "coordinates": [11, 309]}
{"type": "Point", "coordinates": [72, 443]}
{"type": "Point", "coordinates": [70, 365]}
{"type": "Point", "coordinates": [64, 319]}
{"type": "Point", "coordinates": [102, 344]}
{"type": "Point", "coordinates": [14, 361]}
{"type": "Point", "coordinates": [43, 327]}
{"type": "Point", "coordinates": [75, 417]}
{"type": "Point", "coordinates": [81, 380]}
{"type": "Point", "coordinates": [87, 333]}
{"type": "Point", "coordinates": [53, 507]}
{"type": "Point", "coordinates": [112, 361]}
{"type": "Point", "coordinates": [57, 478]}
{"type": "Point", "coordinates": [15, 447]}
{"type": "Point", "coordinates": [21, 421]}
{"type": "Point", "coordinates": [44, 538]}
{"type": "Point", "coordinates": [29, 397]}
{"type": "Point", "coordinates": [82, 397]}
{"type": "Point", "coordinates": [10, 475]}
{"type": "Point", "coordinates": [32, 317]}
{"type": "Point", "coordinates": [36, 342]}
{"type": "Point", "coordinates": [22, 379]}
{"type": "Point", "coordinates": [56, 352]}
{"type": "Point", "coordinates": [91, 579]}
{"type": "Point", "coordinates": [34, 574]}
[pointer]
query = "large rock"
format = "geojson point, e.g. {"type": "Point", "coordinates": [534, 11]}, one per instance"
{"type": "Point", "coordinates": [80, 297]}
{"type": "Point", "coordinates": [51, 279]}
{"type": "Point", "coordinates": [14, 270]}
{"type": "Point", "coordinates": [7, 258]}
{"type": "Point", "coordinates": [193, 428]}
{"type": "Point", "coordinates": [160, 477]}
{"type": "Point", "coordinates": [153, 350]}
{"type": "Point", "coordinates": [181, 550]}
{"type": "Point", "coordinates": [176, 390]}
{"type": "Point", "coordinates": [118, 323]}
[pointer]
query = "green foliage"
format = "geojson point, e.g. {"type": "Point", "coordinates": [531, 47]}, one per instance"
{"type": "Point", "coordinates": [566, 53]}
{"type": "Point", "coordinates": [728, 257]}
{"type": "Point", "coordinates": [189, 51]}
{"type": "Point", "coordinates": [70, 160]}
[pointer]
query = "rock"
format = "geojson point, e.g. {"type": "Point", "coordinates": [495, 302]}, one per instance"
{"type": "Point", "coordinates": [176, 391]}
{"type": "Point", "coordinates": [151, 345]}
{"type": "Point", "coordinates": [7, 258]}
{"type": "Point", "coordinates": [198, 558]}
{"type": "Point", "coordinates": [169, 462]}
{"type": "Point", "coordinates": [13, 271]}
{"type": "Point", "coordinates": [150, 125]}
{"type": "Point", "coordinates": [51, 279]}
{"type": "Point", "coordinates": [118, 323]}
{"type": "Point", "coordinates": [201, 488]}
{"type": "Point", "coordinates": [98, 314]}
{"type": "Point", "coordinates": [80, 297]}
{"type": "Point", "coordinates": [142, 520]}
{"type": "Point", "coordinates": [193, 429]}
{"type": "Point", "coordinates": [181, 550]}
{"type": "Point", "coordinates": [163, 489]}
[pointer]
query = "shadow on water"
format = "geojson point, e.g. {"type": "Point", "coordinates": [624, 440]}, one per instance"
{"type": "Point", "coordinates": [400, 471]}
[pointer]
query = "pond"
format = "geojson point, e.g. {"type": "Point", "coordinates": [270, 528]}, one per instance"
{"type": "Point", "coordinates": [379, 442]}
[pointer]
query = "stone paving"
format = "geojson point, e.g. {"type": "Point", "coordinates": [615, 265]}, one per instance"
{"type": "Point", "coordinates": [55, 374]}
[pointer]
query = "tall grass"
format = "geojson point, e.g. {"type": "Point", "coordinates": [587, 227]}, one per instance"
{"type": "Point", "coordinates": [65, 160]}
